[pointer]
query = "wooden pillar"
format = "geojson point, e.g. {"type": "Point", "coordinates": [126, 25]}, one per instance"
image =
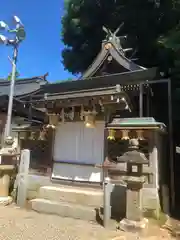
{"type": "Point", "coordinates": [156, 159]}
{"type": "Point", "coordinates": [153, 159]}
{"type": "Point", "coordinates": [148, 103]}
{"type": "Point", "coordinates": [141, 100]}
{"type": "Point", "coordinates": [52, 139]}
{"type": "Point", "coordinates": [154, 163]}
{"type": "Point", "coordinates": [107, 115]}
{"type": "Point", "coordinates": [171, 145]}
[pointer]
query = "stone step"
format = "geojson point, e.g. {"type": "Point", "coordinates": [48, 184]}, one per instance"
{"type": "Point", "coordinates": [64, 209]}
{"type": "Point", "coordinates": [85, 197]}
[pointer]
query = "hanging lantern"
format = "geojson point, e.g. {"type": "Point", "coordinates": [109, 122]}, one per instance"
{"type": "Point", "coordinates": [32, 136]}
{"type": "Point", "coordinates": [22, 135]}
{"type": "Point", "coordinates": [101, 105]}
{"type": "Point", "coordinates": [111, 134]}
{"type": "Point", "coordinates": [53, 120]}
{"type": "Point", "coordinates": [82, 113]}
{"type": "Point", "coordinates": [140, 134]}
{"type": "Point", "coordinates": [62, 115]}
{"type": "Point", "coordinates": [43, 135]}
{"type": "Point", "coordinates": [72, 114]}
{"type": "Point", "coordinates": [90, 118]}
{"type": "Point", "coordinates": [125, 134]}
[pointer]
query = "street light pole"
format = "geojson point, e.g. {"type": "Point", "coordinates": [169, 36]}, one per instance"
{"type": "Point", "coordinates": [11, 94]}
{"type": "Point", "coordinates": [20, 34]}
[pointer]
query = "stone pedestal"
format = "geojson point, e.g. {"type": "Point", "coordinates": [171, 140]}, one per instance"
{"type": "Point", "coordinates": [5, 175]}
{"type": "Point", "coordinates": [8, 161]}
{"type": "Point", "coordinates": [134, 220]}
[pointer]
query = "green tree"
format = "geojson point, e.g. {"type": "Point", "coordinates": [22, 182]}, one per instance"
{"type": "Point", "coordinates": [145, 21]}
{"type": "Point", "coordinates": [152, 27]}
{"type": "Point", "coordinates": [171, 42]}
{"type": "Point", "coordinates": [10, 75]}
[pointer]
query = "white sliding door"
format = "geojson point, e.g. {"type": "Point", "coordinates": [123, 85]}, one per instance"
{"type": "Point", "coordinates": [77, 144]}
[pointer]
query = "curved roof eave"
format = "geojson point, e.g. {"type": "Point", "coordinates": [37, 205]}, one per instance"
{"type": "Point", "coordinates": [40, 79]}
{"type": "Point", "coordinates": [117, 56]}
{"type": "Point", "coordinates": [101, 57]}
{"type": "Point", "coordinates": [23, 87]}
{"type": "Point", "coordinates": [124, 61]}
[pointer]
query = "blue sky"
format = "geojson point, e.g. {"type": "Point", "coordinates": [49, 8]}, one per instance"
{"type": "Point", "coordinates": [41, 51]}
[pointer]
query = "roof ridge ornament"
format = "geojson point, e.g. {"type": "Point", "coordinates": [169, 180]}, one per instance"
{"type": "Point", "coordinates": [111, 34]}
{"type": "Point", "coordinates": [113, 38]}
{"type": "Point", "coordinates": [113, 47]}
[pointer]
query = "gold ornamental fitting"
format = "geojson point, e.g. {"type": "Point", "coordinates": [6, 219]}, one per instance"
{"type": "Point", "coordinates": [111, 134]}
{"type": "Point", "coordinates": [108, 46]}
{"type": "Point", "coordinates": [53, 120]}
{"type": "Point", "coordinates": [139, 134]}
{"type": "Point", "coordinates": [125, 135]}
{"type": "Point", "coordinates": [90, 119]}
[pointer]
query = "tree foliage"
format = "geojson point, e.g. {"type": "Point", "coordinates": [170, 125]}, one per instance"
{"type": "Point", "coordinates": [152, 27]}
{"type": "Point", "coordinates": [10, 75]}
{"type": "Point", "coordinates": [148, 24]}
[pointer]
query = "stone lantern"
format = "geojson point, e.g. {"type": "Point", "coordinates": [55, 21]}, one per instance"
{"type": "Point", "coordinates": [8, 158]}
{"type": "Point", "coordinates": [131, 165]}
{"type": "Point", "coordinates": [134, 215]}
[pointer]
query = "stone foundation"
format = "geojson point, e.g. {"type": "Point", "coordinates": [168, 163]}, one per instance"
{"type": "Point", "coordinates": [150, 201]}
{"type": "Point", "coordinates": [133, 226]}
{"type": "Point", "coordinates": [4, 201]}
{"type": "Point", "coordinates": [151, 204]}
{"type": "Point", "coordinates": [34, 184]}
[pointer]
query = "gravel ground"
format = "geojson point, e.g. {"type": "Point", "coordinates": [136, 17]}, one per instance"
{"type": "Point", "coordinates": [17, 224]}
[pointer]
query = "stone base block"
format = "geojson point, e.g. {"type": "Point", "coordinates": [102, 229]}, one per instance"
{"type": "Point", "coordinates": [133, 226]}
{"type": "Point", "coordinates": [6, 200]}
{"type": "Point", "coordinates": [150, 201]}
{"type": "Point", "coordinates": [64, 209]}
{"type": "Point", "coordinates": [85, 197]}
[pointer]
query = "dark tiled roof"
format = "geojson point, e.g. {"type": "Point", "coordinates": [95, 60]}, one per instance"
{"type": "Point", "coordinates": [20, 109]}
{"type": "Point", "coordinates": [112, 48]}
{"type": "Point", "coordinates": [23, 86]}
{"type": "Point", "coordinates": [117, 55]}
{"type": "Point", "coordinates": [99, 82]}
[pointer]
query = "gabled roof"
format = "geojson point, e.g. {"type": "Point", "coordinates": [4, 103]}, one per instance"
{"type": "Point", "coordinates": [123, 79]}
{"type": "Point", "coordinates": [112, 49]}
{"type": "Point", "coordinates": [23, 87]}
{"type": "Point", "coordinates": [20, 109]}
{"type": "Point", "coordinates": [129, 77]}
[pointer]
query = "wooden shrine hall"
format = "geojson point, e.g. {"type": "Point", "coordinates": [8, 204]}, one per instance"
{"type": "Point", "coordinates": [79, 110]}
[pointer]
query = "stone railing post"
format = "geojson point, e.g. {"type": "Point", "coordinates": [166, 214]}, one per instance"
{"type": "Point", "coordinates": [107, 202]}
{"type": "Point", "coordinates": [22, 182]}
